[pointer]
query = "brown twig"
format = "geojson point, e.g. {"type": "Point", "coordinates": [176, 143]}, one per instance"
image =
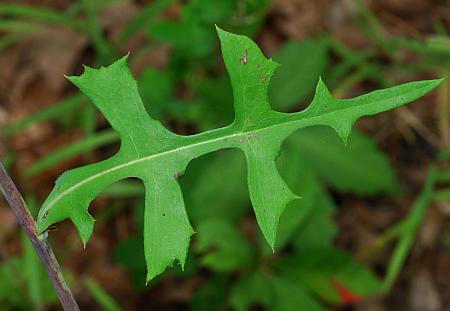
{"type": "Point", "coordinates": [40, 243]}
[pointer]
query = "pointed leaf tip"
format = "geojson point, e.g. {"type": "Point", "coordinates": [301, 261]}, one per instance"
{"type": "Point", "coordinates": [123, 59]}
{"type": "Point", "coordinates": [220, 30]}
{"type": "Point", "coordinates": [322, 89]}
{"type": "Point", "coordinates": [344, 132]}
{"type": "Point", "coordinates": [151, 274]}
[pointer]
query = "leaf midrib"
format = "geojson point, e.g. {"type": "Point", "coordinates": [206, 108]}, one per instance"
{"type": "Point", "coordinates": [239, 134]}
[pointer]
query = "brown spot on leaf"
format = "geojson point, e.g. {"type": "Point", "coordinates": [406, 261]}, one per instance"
{"type": "Point", "coordinates": [244, 59]}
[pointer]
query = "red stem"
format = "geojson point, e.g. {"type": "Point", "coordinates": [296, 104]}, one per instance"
{"type": "Point", "coordinates": [40, 243]}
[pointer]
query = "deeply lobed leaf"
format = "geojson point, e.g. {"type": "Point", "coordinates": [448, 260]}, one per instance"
{"type": "Point", "coordinates": [157, 156]}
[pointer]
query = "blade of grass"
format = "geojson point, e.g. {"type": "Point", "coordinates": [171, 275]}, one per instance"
{"type": "Point", "coordinates": [31, 267]}
{"type": "Point", "coordinates": [51, 112]}
{"type": "Point", "coordinates": [14, 276]}
{"type": "Point", "coordinates": [89, 120]}
{"type": "Point", "coordinates": [444, 155]}
{"type": "Point", "coordinates": [8, 159]}
{"type": "Point", "coordinates": [101, 296]}
{"type": "Point", "coordinates": [443, 110]}
{"type": "Point", "coordinates": [372, 27]}
{"type": "Point", "coordinates": [444, 176]}
{"type": "Point", "coordinates": [430, 46]}
{"type": "Point", "coordinates": [32, 273]}
{"type": "Point", "coordinates": [351, 80]}
{"type": "Point", "coordinates": [144, 18]}
{"type": "Point", "coordinates": [439, 27]}
{"type": "Point", "coordinates": [19, 26]}
{"type": "Point", "coordinates": [10, 39]}
{"type": "Point", "coordinates": [389, 235]}
{"type": "Point", "coordinates": [442, 195]}
{"type": "Point", "coordinates": [40, 14]}
{"type": "Point", "coordinates": [77, 148]}
{"type": "Point", "coordinates": [104, 50]}
{"type": "Point", "coordinates": [124, 189]}
{"type": "Point", "coordinates": [409, 231]}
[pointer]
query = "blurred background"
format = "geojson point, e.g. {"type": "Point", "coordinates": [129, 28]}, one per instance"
{"type": "Point", "coordinates": [372, 231]}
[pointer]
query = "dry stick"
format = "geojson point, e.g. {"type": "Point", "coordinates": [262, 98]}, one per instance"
{"type": "Point", "coordinates": [40, 243]}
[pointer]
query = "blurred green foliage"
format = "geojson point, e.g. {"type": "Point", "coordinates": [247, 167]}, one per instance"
{"type": "Point", "coordinates": [307, 268]}
{"type": "Point", "coordinates": [24, 283]}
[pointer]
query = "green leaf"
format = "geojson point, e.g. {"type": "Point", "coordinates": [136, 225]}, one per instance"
{"type": "Point", "coordinates": [208, 12]}
{"type": "Point", "coordinates": [211, 295]}
{"type": "Point", "coordinates": [251, 290]}
{"type": "Point", "coordinates": [189, 38]}
{"type": "Point", "coordinates": [341, 114]}
{"type": "Point", "coordinates": [335, 163]}
{"type": "Point", "coordinates": [215, 103]}
{"type": "Point", "coordinates": [224, 248]}
{"type": "Point", "coordinates": [130, 255]}
{"type": "Point", "coordinates": [289, 295]}
{"type": "Point", "coordinates": [157, 156]}
{"type": "Point", "coordinates": [307, 236]}
{"type": "Point", "coordinates": [205, 178]}
{"type": "Point", "coordinates": [304, 182]}
{"type": "Point", "coordinates": [302, 65]}
{"type": "Point", "coordinates": [156, 90]}
{"type": "Point", "coordinates": [321, 268]}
